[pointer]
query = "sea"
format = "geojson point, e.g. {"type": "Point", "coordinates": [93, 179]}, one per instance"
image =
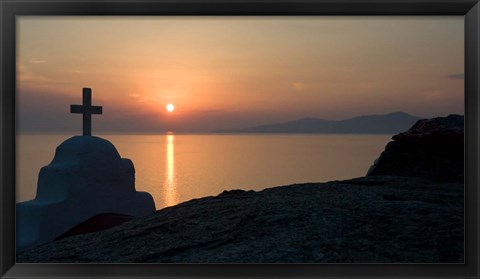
{"type": "Point", "coordinates": [179, 167]}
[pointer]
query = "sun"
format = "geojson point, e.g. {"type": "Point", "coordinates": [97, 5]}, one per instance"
{"type": "Point", "coordinates": [170, 107]}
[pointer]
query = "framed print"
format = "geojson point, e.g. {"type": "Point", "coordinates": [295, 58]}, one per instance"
{"type": "Point", "coordinates": [239, 139]}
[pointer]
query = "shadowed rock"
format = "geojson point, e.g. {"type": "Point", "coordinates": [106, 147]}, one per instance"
{"type": "Point", "coordinates": [366, 220]}
{"type": "Point", "coordinates": [432, 148]}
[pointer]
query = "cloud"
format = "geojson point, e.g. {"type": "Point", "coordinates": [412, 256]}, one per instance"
{"type": "Point", "coordinates": [37, 61]}
{"type": "Point", "coordinates": [78, 72]}
{"type": "Point", "coordinates": [456, 76]}
{"type": "Point", "coordinates": [298, 86]}
{"type": "Point", "coordinates": [208, 111]}
{"type": "Point", "coordinates": [27, 75]}
{"type": "Point", "coordinates": [433, 95]}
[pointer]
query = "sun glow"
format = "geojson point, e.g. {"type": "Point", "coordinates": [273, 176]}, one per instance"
{"type": "Point", "coordinates": [170, 107]}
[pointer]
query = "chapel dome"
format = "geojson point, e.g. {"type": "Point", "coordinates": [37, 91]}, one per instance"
{"type": "Point", "coordinates": [86, 149]}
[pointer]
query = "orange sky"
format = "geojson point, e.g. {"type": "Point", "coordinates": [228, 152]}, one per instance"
{"type": "Point", "coordinates": [232, 72]}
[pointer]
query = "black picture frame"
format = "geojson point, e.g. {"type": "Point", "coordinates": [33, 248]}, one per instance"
{"type": "Point", "coordinates": [9, 9]}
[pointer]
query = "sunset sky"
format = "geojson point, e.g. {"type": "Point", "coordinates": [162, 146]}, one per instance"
{"type": "Point", "coordinates": [234, 72]}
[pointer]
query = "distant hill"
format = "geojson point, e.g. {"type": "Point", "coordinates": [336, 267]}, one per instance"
{"type": "Point", "coordinates": [391, 123]}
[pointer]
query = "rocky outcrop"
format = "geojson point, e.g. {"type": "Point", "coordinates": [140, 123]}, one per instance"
{"type": "Point", "coordinates": [378, 219]}
{"type": "Point", "coordinates": [432, 149]}
{"type": "Point", "coordinates": [86, 177]}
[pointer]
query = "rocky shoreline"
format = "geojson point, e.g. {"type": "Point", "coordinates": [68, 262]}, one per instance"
{"type": "Point", "coordinates": [400, 214]}
{"type": "Point", "coordinates": [378, 219]}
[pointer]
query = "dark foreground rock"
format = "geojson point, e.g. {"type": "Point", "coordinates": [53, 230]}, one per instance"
{"type": "Point", "coordinates": [379, 219]}
{"type": "Point", "coordinates": [432, 148]}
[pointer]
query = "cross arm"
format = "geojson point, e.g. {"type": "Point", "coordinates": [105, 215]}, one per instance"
{"type": "Point", "coordinates": [76, 109]}
{"type": "Point", "coordinates": [96, 110]}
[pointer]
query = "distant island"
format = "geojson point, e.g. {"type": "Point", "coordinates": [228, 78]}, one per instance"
{"type": "Point", "coordinates": [391, 123]}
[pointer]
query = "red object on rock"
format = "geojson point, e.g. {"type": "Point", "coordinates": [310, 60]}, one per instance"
{"type": "Point", "coordinates": [99, 222]}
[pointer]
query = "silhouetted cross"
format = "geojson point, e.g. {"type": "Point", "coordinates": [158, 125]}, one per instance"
{"type": "Point", "coordinates": [87, 110]}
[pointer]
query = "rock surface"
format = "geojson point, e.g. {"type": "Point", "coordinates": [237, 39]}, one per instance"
{"type": "Point", "coordinates": [432, 148]}
{"type": "Point", "coordinates": [378, 219]}
{"type": "Point", "coordinates": [86, 177]}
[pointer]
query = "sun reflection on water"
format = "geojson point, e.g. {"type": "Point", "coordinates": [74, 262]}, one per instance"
{"type": "Point", "coordinates": [170, 191]}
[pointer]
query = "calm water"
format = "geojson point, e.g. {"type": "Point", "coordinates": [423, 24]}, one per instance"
{"type": "Point", "coordinates": [177, 168]}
